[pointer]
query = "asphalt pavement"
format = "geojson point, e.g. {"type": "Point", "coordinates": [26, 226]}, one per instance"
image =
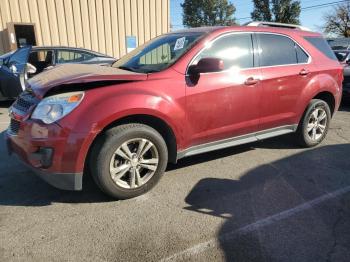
{"type": "Point", "coordinates": [266, 201]}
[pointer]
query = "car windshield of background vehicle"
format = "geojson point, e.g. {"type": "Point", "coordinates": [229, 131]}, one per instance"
{"type": "Point", "coordinates": [341, 55]}
{"type": "Point", "coordinates": [159, 53]}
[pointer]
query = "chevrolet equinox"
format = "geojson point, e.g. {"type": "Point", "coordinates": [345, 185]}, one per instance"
{"type": "Point", "coordinates": [180, 94]}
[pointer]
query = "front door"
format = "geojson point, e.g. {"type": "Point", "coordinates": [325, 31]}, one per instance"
{"type": "Point", "coordinates": [224, 104]}
{"type": "Point", "coordinates": [12, 73]}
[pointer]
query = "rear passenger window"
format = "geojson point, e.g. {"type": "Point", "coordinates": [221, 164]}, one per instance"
{"type": "Point", "coordinates": [235, 50]}
{"type": "Point", "coordinates": [64, 56]}
{"type": "Point", "coordinates": [321, 44]}
{"type": "Point", "coordinates": [276, 50]}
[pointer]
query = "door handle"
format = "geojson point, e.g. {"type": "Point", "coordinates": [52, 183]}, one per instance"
{"type": "Point", "coordinates": [304, 72]}
{"type": "Point", "coordinates": [251, 81]}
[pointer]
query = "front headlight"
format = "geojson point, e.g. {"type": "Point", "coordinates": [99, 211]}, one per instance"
{"type": "Point", "coordinates": [53, 108]}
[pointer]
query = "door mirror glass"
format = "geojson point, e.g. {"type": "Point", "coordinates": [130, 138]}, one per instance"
{"type": "Point", "coordinates": [207, 65]}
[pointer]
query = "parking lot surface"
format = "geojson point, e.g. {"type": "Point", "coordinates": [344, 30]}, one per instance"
{"type": "Point", "coordinates": [266, 201]}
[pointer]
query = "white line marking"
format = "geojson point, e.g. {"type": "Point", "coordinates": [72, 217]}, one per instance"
{"type": "Point", "coordinates": [214, 242]}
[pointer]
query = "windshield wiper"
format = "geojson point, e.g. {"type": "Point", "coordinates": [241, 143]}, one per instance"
{"type": "Point", "coordinates": [127, 68]}
{"type": "Point", "coordinates": [152, 71]}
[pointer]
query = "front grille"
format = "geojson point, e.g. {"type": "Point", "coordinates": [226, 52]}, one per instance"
{"type": "Point", "coordinates": [21, 109]}
{"type": "Point", "coordinates": [14, 127]}
{"type": "Point", "coordinates": [25, 101]}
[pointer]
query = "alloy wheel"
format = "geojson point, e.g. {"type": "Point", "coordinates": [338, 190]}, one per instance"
{"type": "Point", "coordinates": [134, 163]}
{"type": "Point", "coordinates": [317, 124]}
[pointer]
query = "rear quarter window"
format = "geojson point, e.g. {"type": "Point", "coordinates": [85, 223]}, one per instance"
{"type": "Point", "coordinates": [321, 44]}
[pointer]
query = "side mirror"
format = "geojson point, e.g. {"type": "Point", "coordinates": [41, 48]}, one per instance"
{"type": "Point", "coordinates": [13, 69]}
{"type": "Point", "coordinates": [207, 65]}
{"type": "Point", "coordinates": [347, 61]}
{"type": "Point", "coordinates": [30, 69]}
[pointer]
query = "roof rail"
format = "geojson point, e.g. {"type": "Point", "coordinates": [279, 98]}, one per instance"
{"type": "Point", "coordinates": [273, 24]}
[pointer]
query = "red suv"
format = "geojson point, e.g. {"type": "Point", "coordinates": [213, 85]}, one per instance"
{"type": "Point", "coordinates": [181, 94]}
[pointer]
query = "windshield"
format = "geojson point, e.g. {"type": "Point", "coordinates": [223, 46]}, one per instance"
{"type": "Point", "coordinates": [159, 53]}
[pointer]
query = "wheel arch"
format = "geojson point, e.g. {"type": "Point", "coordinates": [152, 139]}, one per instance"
{"type": "Point", "coordinates": [157, 123]}
{"type": "Point", "coordinates": [329, 98]}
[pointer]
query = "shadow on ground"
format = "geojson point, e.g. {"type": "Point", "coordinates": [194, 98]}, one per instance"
{"type": "Point", "coordinates": [252, 232]}
{"type": "Point", "coordinates": [21, 187]}
{"type": "Point", "coordinates": [25, 189]}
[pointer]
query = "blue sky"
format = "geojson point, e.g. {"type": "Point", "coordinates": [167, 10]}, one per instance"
{"type": "Point", "coordinates": [310, 18]}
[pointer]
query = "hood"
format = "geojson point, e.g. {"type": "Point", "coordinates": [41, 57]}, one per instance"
{"type": "Point", "coordinates": [65, 75]}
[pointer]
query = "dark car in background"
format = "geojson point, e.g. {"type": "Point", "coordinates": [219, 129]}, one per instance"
{"type": "Point", "coordinates": [344, 58]}
{"type": "Point", "coordinates": [340, 43]}
{"type": "Point", "coordinates": [28, 61]}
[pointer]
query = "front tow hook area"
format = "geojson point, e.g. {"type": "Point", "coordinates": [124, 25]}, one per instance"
{"type": "Point", "coordinates": [42, 158]}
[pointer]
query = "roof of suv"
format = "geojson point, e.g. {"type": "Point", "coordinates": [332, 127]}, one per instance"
{"type": "Point", "coordinates": [273, 29]}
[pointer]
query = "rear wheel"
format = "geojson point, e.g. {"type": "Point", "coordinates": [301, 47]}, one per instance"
{"type": "Point", "coordinates": [128, 160]}
{"type": "Point", "coordinates": [314, 125]}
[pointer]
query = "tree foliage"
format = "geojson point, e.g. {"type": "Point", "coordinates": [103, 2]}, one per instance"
{"type": "Point", "coordinates": [338, 21]}
{"type": "Point", "coordinates": [261, 11]}
{"type": "Point", "coordinates": [208, 13]}
{"type": "Point", "coordinates": [281, 11]}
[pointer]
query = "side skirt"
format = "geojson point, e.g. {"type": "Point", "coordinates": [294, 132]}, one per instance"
{"type": "Point", "coordinates": [238, 140]}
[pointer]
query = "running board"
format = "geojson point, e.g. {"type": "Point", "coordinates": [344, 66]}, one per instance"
{"type": "Point", "coordinates": [235, 141]}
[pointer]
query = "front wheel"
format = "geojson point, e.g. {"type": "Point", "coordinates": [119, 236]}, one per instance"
{"type": "Point", "coordinates": [314, 125]}
{"type": "Point", "coordinates": [128, 160]}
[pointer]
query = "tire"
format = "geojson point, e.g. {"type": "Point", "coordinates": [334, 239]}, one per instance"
{"type": "Point", "coordinates": [318, 117]}
{"type": "Point", "coordinates": [117, 166]}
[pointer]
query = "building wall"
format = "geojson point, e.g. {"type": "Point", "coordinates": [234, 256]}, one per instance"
{"type": "Point", "coordinates": [100, 25]}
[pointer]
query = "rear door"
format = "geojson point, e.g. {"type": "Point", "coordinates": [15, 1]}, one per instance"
{"type": "Point", "coordinates": [13, 73]}
{"type": "Point", "coordinates": [286, 71]}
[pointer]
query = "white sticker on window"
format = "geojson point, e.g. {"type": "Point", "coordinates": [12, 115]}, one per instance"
{"type": "Point", "coordinates": [180, 42]}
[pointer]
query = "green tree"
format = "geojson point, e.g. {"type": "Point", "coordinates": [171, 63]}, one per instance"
{"type": "Point", "coordinates": [208, 13]}
{"type": "Point", "coordinates": [261, 11]}
{"type": "Point", "coordinates": [281, 11]}
{"type": "Point", "coordinates": [338, 21]}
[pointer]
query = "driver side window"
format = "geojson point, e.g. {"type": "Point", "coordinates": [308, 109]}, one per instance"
{"type": "Point", "coordinates": [236, 51]}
